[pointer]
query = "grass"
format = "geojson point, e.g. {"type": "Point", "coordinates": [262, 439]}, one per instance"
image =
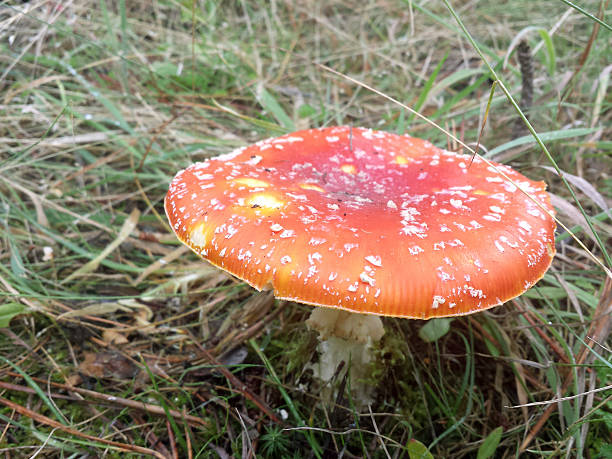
{"type": "Point", "coordinates": [117, 341]}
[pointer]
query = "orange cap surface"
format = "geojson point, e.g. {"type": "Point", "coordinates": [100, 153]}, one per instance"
{"type": "Point", "coordinates": [366, 221]}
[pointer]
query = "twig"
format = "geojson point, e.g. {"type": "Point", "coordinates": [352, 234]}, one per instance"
{"type": "Point", "coordinates": [526, 62]}
{"type": "Point", "coordinates": [238, 385]}
{"type": "Point", "coordinates": [172, 440]}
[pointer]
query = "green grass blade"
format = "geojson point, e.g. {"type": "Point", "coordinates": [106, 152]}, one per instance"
{"type": "Point", "coordinates": [551, 61]}
{"type": "Point", "coordinates": [544, 136]}
{"type": "Point", "coordinates": [270, 104]}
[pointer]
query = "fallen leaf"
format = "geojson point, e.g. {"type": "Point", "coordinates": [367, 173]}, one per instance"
{"type": "Point", "coordinates": [110, 336]}
{"type": "Point", "coordinates": [108, 364]}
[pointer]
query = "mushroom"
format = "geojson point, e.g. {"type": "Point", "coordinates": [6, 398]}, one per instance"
{"type": "Point", "coordinates": [368, 222]}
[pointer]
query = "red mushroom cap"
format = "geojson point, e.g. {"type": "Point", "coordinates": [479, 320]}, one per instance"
{"type": "Point", "coordinates": [366, 221]}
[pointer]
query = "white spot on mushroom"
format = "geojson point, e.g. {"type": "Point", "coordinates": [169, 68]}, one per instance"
{"type": "Point", "coordinates": [316, 241]}
{"type": "Point", "coordinates": [509, 243]}
{"type": "Point", "coordinates": [409, 214]}
{"type": "Point", "coordinates": [350, 246]}
{"type": "Point", "coordinates": [419, 230]}
{"type": "Point", "coordinates": [366, 279]}
{"type": "Point", "coordinates": [332, 138]}
{"type": "Point", "coordinates": [499, 197]}
{"type": "Point", "coordinates": [456, 203]}
{"type": "Point", "coordinates": [534, 212]}
{"type": "Point", "coordinates": [359, 153]}
{"type": "Point", "coordinates": [509, 187]}
{"type": "Point", "coordinates": [287, 234]}
{"type": "Point", "coordinates": [286, 259]}
{"type": "Point", "coordinates": [352, 287]}
{"type": "Point", "coordinates": [255, 159]}
{"type": "Point", "coordinates": [314, 257]}
{"type": "Point", "coordinates": [526, 226]}
{"type": "Point", "coordinates": [375, 260]}
{"type": "Point", "coordinates": [276, 227]}
{"type": "Point", "coordinates": [437, 300]}
{"type": "Point", "coordinates": [443, 275]}
{"type": "Point", "coordinates": [333, 276]}
{"type": "Point", "coordinates": [415, 250]}
{"type": "Point", "coordinates": [499, 246]}
{"type": "Point", "coordinates": [391, 204]}
{"type": "Point", "coordinates": [201, 176]}
{"type": "Point", "coordinates": [290, 139]}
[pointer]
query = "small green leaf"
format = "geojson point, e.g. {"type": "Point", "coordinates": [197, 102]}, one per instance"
{"type": "Point", "coordinates": [417, 450]}
{"type": "Point", "coordinates": [551, 61]}
{"type": "Point", "coordinates": [8, 311]}
{"type": "Point", "coordinates": [16, 261]}
{"type": "Point", "coordinates": [435, 329]}
{"type": "Point", "coordinates": [488, 447]}
{"type": "Point", "coordinates": [306, 111]}
{"type": "Point", "coordinates": [271, 105]}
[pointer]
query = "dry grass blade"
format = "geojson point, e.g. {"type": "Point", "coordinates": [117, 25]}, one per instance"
{"type": "Point", "coordinates": [126, 230]}
{"type": "Point", "coordinates": [576, 218]}
{"type": "Point", "coordinates": [563, 399]}
{"type": "Point", "coordinates": [585, 186]}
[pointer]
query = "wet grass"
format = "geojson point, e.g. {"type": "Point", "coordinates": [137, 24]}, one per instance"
{"type": "Point", "coordinates": [116, 339]}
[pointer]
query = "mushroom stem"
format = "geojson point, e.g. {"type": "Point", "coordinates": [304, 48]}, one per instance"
{"type": "Point", "coordinates": [361, 328]}
{"type": "Point", "coordinates": [345, 337]}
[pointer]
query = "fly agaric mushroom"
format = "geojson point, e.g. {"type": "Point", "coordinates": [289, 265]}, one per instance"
{"type": "Point", "coordinates": [368, 222]}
